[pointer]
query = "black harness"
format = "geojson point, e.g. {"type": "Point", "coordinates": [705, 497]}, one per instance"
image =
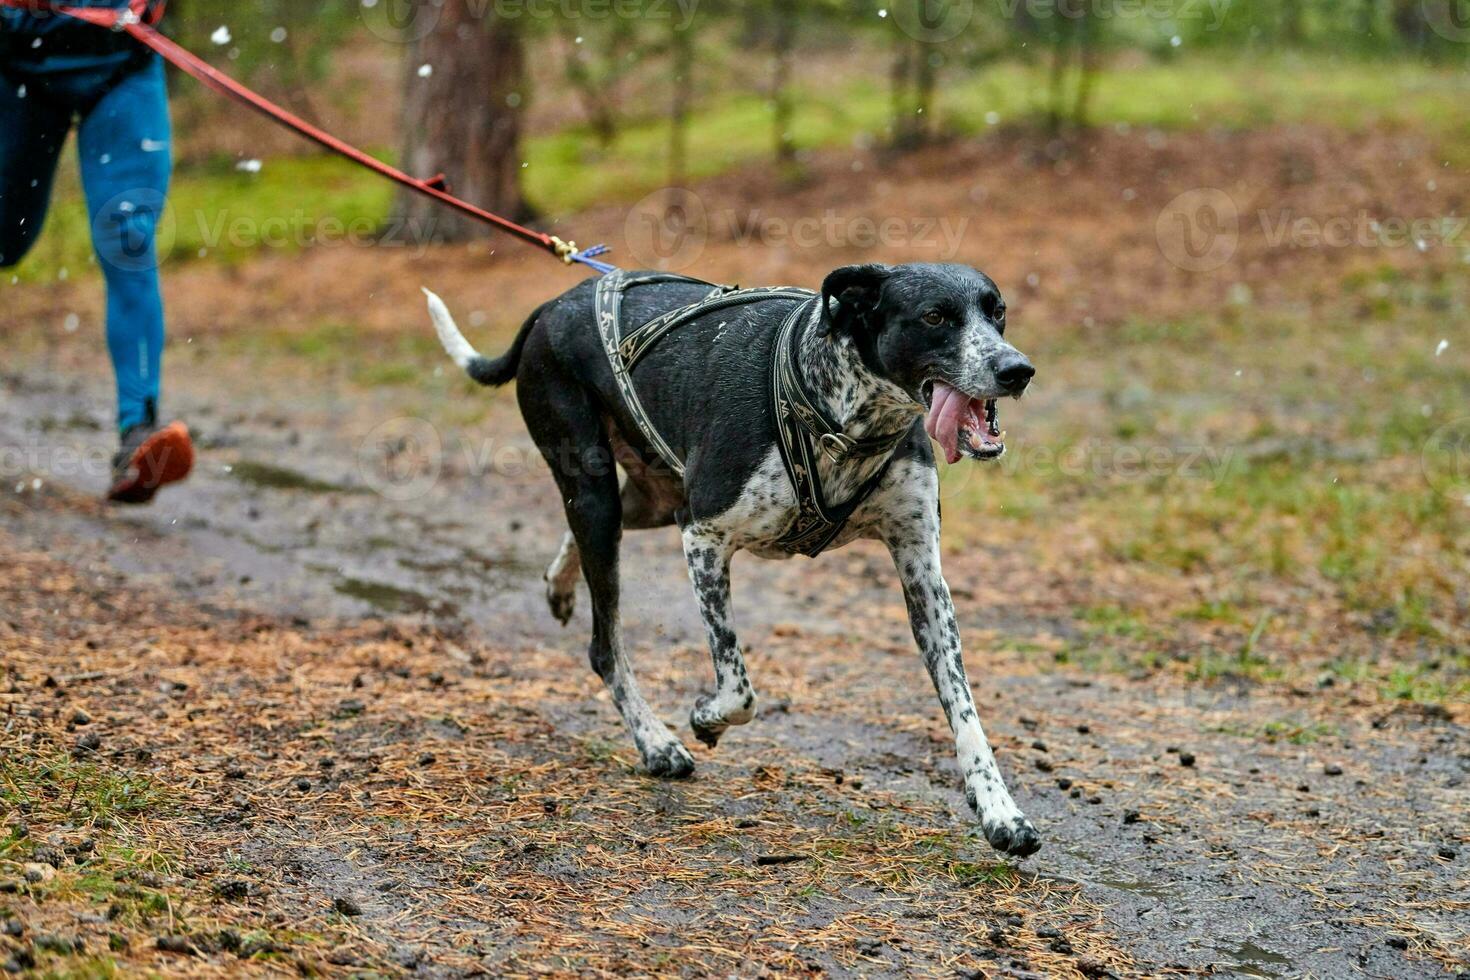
{"type": "Point", "coordinates": [803, 429]}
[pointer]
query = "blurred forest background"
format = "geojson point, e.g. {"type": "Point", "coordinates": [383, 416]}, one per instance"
{"type": "Point", "coordinates": [548, 106]}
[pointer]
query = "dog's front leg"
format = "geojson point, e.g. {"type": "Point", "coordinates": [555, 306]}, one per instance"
{"type": "Point", "coordinates": [708, 553]}
{"type": "Point", "coordinates": [915, 549]}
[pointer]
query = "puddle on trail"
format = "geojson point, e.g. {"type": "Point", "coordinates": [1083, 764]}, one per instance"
{"type": "Point", "coordinates": [495, 575]}
{"type": "Point", "coordinates": [385, 597]}
{"type": "Point", "coordinates": [1250, 960]}
{"type": "Point", "coordinates": [1117, 881]}
{"type": "Point", "coordinates": [280, 478]}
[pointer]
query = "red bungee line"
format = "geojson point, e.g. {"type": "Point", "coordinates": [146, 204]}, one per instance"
{"type": "Point", "coordinates": [134, 20]}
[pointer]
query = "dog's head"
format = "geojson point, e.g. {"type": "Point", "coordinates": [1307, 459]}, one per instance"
{"type": "Point", "coordinates": [937, 332]}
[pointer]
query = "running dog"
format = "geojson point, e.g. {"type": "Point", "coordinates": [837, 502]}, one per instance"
{"type": "Point", "coordinates": [778, 421]}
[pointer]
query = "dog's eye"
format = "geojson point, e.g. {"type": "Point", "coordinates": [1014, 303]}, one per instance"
{"type": "Point", "coordinates": [934, 318]}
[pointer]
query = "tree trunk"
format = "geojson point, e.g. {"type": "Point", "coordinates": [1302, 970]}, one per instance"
{"type": "Point", "coordinates": [597, 95]}
{"type": "Point", "coordinates": [783, 39]}
{"type": "Point", "coordinates": [682, 54]}
{"type": "Point", "coordinates": [926, 74]}
{"type": "Point", "coordinates": [1055, 88]}
{"type": "Point", "coordinates": [1410, 19]}
{"type": "Point", "coordinates": [1086, 71]}
{"type": "Point", "coordinates": [1368, 18]}
{"type": "Point", "coordinates": [1294, 21]}
{"type": "Point", "coordinates": [900, 74]}
{"type": "Point", "coordinates": [464, 91]}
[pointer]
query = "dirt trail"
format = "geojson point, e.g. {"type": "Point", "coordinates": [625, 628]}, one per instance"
{"type": "Point", "coordinates": [1251, 860]}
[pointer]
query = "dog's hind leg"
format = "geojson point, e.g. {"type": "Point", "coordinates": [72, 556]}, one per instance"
{"type": "Point", "coordinates": [561, 579]}
{"type": "Point", "coordinates": [564, 422]}
{"type": "Point", "coordinates": [708, 554]}
{"type": "Point", "coordinates": [592, 512]}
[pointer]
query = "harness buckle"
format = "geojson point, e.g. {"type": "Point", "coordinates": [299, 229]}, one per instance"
{"type": "Point", "coordinates": [836, 445]}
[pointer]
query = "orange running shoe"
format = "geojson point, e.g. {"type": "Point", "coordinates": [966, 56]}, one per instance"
{"type": "Point", "coordinates": [150, 458]}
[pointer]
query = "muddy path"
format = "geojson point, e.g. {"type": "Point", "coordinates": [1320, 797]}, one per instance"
{"type": "Point", "coordinates": [1172, 842]}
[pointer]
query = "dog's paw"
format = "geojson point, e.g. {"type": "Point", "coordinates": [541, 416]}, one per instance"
{"type": "Point", "coordinates": [709, 723]}
{"type": "Point", "coordinates": [708, 734]}
{"type": "Point", "coordinates": [561, 603]}
{"type": "Point", "coordinates": [672, 761]}
{"type": "Point", "coordinates": [706, 728]}
{"type": "Point", "coordinates": [1016, 837]}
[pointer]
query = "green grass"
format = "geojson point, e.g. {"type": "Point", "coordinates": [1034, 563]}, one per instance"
{"type": "Point", "coordinates": [84, 791]}
{"type": "Point", "coordinates": [225, 215]}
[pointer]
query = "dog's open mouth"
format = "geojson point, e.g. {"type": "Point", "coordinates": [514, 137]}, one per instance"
{"type": "Point", "coordinates": [964, 426]}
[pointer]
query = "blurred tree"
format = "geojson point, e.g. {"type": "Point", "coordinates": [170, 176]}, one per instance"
{"type": "Point", "coordinates": [464, 89]}
{"type": "Point", "coordinates": [1411, 20]}
{"type": "Point", "coordinates": [784, 14]}
{"type": "Point", "coordinates": [1075, 36]}
{"type": "Point", "coordinates": [681, 77]}
{"type": "Point", "coordinates": [596, 61]}
{"type": "Point", "coordinates": [1293, 21]}
{"type": "Point", "coordinates": [914, 69]}
{"type": "Point", "coordinates": [282, 46]}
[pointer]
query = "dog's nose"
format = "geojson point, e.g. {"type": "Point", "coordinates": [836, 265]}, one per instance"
{"type": "Point", "coordinates": [1014, 372]}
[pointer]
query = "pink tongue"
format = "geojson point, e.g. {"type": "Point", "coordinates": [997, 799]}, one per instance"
{"type": "Point", "coordinates": [950, 411]}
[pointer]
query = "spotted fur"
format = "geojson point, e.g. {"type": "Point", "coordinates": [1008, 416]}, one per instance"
{"type": "Point", "coordinates": [869, 360]}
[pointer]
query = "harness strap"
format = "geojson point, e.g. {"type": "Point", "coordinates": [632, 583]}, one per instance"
{"type": "Point", "coordinates": [640, 341]}
{"type": "Point", "coordinates": [804, 431]}
{"type": "Point", "coordinates": [608, 307]}
{"type": "Point", "coordinates": [838, 446]}
{"type": "Point", "coordinates": [797, 423]}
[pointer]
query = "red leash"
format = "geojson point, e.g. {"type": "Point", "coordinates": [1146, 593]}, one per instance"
{"type": "Point", "coordinates": [137, 19]}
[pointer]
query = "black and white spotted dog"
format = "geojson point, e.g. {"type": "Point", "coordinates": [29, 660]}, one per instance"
{"type": "Point", "coordinates": [877, 350]}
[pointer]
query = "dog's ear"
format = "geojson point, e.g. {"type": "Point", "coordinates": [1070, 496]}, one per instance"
{"type": "Point", "coordinates": [850, 294]}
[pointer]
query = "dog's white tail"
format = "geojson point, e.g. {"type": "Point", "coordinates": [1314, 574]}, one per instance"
{"type": "Point", "coordinates": [454, 342]}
